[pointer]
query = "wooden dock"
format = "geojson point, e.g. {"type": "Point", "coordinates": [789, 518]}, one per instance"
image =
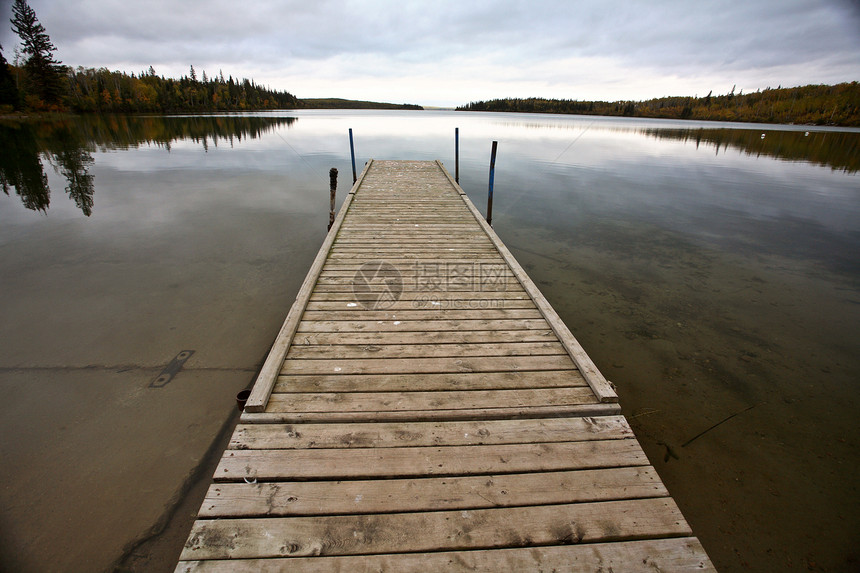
{"type": "Point", "coordinates": [425, 409]}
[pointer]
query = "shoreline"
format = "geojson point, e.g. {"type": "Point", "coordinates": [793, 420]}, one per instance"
{"type": "Point", "coordinates": [159, 549]}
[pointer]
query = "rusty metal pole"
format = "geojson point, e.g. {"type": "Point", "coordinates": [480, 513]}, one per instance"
{"type": "Point", "coordinates": [332, 175]}
{"type": "Point", "coordinates": [352, 154]}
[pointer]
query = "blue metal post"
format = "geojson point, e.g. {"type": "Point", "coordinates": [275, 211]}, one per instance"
{"type": "Point", "coordinates": [492, 175]}
{"type": "Point", "coordinates": [352, 154]}
{"type": "Point", "coordinates": [457, 154]}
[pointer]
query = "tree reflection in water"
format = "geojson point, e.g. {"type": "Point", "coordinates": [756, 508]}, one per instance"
{"type": "Point", "coordinates": [839, 150]}
{"type": "Point", "coordinates": [68, 145]}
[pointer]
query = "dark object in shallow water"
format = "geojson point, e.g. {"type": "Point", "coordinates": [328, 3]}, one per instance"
{"type": "Point", "coordinates": [702, 433]}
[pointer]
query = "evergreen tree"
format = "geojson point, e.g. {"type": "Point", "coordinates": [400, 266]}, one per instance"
{"type": "Point", "coordinates": [43, 72]}
{"type": "Point", "coordinates": [8, 89]}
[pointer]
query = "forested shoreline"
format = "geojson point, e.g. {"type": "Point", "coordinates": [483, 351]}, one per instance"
{"type": "Point", "coordinates": [103, 91]}
{"type": "Point", "coordinates": [813, 104]}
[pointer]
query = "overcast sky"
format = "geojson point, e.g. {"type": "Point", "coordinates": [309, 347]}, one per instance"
{"type": "Point", "coordinates": [447, 53]}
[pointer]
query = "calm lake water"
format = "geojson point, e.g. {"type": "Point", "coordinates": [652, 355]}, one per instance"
{"type": "Point", "coordinates": [712, 271]}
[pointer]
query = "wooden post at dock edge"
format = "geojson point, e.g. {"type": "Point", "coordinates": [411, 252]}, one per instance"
{"type": "Point", "coordinates": [492, 175]}
{"type": "Point", "coordinates": [332, 175]}
{"type": "Point", "coordinates": [352, 154]}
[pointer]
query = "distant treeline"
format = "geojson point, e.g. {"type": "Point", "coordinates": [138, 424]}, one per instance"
{"type": "Point", "coordinates": [813, 104]}
{"type": "Point", "coordinates": [337, 103]}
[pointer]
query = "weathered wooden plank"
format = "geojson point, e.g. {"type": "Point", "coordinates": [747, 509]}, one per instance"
{"type": "Point", "coordinates": [412, 401]}
{"type": "Point", "coordinates": [414, 300]}
{"type": "Point", "coordinates": [429, 494]}
{"type": "Point", "coordinates": [413, 220]}
{"type": "Point", "coordinates": [411, 271]}
{"type": "Point", "coordinates": [430, 382]}
{"type": "Point", "coordinates": [675, 555]}
{"type": "Point", "coordinates": [456, 298]}
{"type": "Point", "coordinates": [430, 206]}
{"type": "Point", "coordinates": [358, 463]}
{"type": "Point", "coordinates": [459, 251]}
{"type": "Point", "coordinates": [510, 413]}
{"type": "Point", "coordinates": [463, 222]}
{"type": "Point", "coordinates": [438, 337]}
{"type": "Point", "coordinates": [440, 290]}
{"type": "Point", "coordinates": [355, 303]}
{"type": "Point", "coordinates": [334, 264]}
{"type": "Point", "coordinates": [442, 283]}
{"type": "Point", "coordinates": [435, 531]}
{"type": "Point", "coordinates": [424, 247]}
{"type": "Point", "coordinates": [430, 225]}
{"type": "Point", "coordinates": [373, 216]}
{"type": "Point", "coordinates": [370, 218]}
{"type": "Point", "coordinates": [419, 325]}
{"type": "Point", "coordinates": [439, 207]}
{"type": "Point", "coordinates": [427, 365]}
{"type": "Point", "coordinates": [418, 350]}
{"type": "Point", "coordinates": [425, 314]}
{"type": "Point", "coordinates": [406, 220]}
{"type": "Point", "coordinates": [436, 293]}
{"type": "Point", "coordinates": [416, 230]}
{"type": "Point", "coordinates": [433, 228]}
{"type": "Point", "coordinates": [401, 240]}
{"type": "Point", "coordinates": [467, 245]}
{"type": "Point", "coordinates": [407, 255]}
{"type": "Point", "coordinates": [415, 255]}
{"type": "Point", "coordinates": [460, 299]}
{"type": "Point", "coordinates": [359, 256]}
{"type": "Point", "coordinates": [388, 435]}
{"type": "Point", "coordinates": [424, 241]}
{"type": "Point", "coordinates": [413, 233]}
{"type": "Point", "coordinates": [426, 226]}
{"type": "Point", "coordinates": [432, 231]}
{"type": "Point", "coordinates": [434, 206]}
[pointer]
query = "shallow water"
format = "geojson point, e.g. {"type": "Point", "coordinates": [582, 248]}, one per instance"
{"type": "Point", "coordinates": [710, 270]}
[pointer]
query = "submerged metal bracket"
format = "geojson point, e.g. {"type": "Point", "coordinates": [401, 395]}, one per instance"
{"type": "Point", "coordinates": [171, 370]}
